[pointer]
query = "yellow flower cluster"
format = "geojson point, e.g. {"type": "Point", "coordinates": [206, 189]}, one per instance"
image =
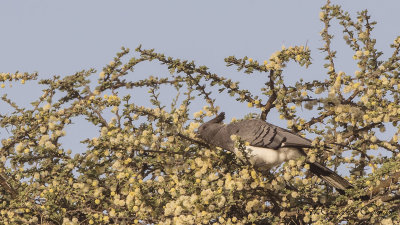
{"type": "Point", "coordinates": [321, 15]}
{"type": "Point", "coordinates": [112, 99]}
{"type": "Point", "coordinates": [10, 77]}
{"type": "Point", "coordinates": [198, 114]}
{"type": "Point", "coordinates": [278, 59]}
{"type": "Point", "coordinates": [359, 54]}
{"type": "Point", "coordinates": [102, 75]}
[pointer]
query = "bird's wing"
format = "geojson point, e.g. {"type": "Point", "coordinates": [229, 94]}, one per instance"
{"type": "Point", "coordinates": [262, 134]}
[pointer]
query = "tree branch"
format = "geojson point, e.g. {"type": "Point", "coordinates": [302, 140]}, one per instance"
{"type": "Point", "coordinates": [270, 104]}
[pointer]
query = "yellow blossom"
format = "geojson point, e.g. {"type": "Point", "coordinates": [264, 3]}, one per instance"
{"type": "Point", "coordinates": [370, 209]}
{"type": "Point", "coordinates": [321, 15]}
{"type": "Point", "coordinates": [362, 35]}
{"type": "Point", "coordinates": [95, 183]}
{"type": "Point", "coordinates": [198, 114]}
{"type": "Point", "coordinates": [395, 138]}
{"type": "Point", "coordinates": [286, 176]}
{"type": "Point", "coordinates": [397, 41]}
{"type": "Point", "coordinates": [278, 66]}
{"type": "Point", "coordinates": [253, 174]}
{"type": "Point", "coordinates": [106, 218]}
{"type": "Point", "coordinates": [47, 107]}
{"type": "Point", "coordinates": [102, 74]}
{"type": "Point", "coordinates": [19, 147]}
{"type": "Point", "coordinates": [356, 85]}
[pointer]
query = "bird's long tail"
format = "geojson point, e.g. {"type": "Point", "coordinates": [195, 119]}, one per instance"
{"type": "Point", "coordinates": [330, 177]}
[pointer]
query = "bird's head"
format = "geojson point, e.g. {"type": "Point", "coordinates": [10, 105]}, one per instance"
{"type": "Point", "coordinates": [207, 129]}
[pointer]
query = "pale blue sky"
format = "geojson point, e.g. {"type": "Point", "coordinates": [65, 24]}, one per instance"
{"type": "Point", "coordinates": [56, 37]}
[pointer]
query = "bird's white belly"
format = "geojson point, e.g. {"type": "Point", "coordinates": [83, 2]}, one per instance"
{"type": "Point", "coordinates": [266, 158]}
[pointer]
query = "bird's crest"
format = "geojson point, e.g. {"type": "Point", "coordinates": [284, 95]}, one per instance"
{"type": "Point", "coordinates": [218, 119]}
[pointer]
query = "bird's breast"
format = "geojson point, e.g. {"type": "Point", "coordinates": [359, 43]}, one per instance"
{"type": "Point", "coordinates": [266, 158]}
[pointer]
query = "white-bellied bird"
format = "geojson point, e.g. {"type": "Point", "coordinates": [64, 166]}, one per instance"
{"type": "Point", "coordinates": [268, 145]}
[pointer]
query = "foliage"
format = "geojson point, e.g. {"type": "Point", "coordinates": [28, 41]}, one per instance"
{"type": "Point", "coordinates": [147, 167]}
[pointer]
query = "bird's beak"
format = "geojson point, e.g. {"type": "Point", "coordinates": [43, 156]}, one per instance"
{"type": "Point", "coordinates": [197, 134]}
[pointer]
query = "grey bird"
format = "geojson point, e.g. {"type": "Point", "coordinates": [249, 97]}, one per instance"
{"type": "Point", "coordinates": [269, 145]}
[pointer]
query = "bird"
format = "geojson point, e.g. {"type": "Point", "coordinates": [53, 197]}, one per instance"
{"type": "Point", "coordinates": [268, 145]}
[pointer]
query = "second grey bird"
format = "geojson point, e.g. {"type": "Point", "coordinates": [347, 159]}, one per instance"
{"type": "Point", "coordinates": [269, 145]}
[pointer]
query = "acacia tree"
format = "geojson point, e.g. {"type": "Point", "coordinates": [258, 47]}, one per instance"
{"type": "Point", "coordinates": [147, 167]}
